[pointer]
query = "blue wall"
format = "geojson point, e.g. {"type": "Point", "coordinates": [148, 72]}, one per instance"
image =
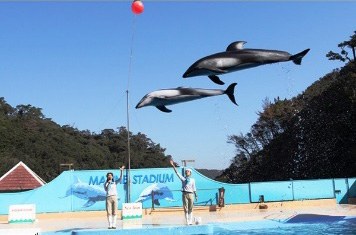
{"type": "Point", "coordinates": [272, 191]}
{"type": "Point", "coordinates": [341, 190]}
{"type": "Point", "coordinates": [83, 191]}
{"type": "Point", "coordinates": [352, 187]}
{"type": "Point", "coordinates": [310, 189]}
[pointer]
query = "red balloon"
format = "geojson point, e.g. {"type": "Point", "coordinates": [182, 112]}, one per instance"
{"type": "Point", "coordinates": [137, 7]}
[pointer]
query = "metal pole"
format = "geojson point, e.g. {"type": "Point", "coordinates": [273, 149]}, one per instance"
{"type": "Point", "coordinates": [184, 163]}
{"type": "Point", "coordinates": [128, 150]}
{"type": "Point", "coordinates": [128, 115]}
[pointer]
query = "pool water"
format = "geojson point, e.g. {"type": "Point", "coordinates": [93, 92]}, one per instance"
{"type": "Point", "coordinates": [302, 225]}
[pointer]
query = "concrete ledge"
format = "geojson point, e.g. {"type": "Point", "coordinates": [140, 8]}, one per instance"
{"type": "Point", "coordinates": [281, 205]}
{"type": "Point", "coordinates": [23, 231]}
{"type": "Point", "coordinates": [197, 209]}
{"type": "Point", "coordinates": [250, 206]}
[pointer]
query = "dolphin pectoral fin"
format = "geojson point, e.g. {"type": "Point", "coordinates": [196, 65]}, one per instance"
{"type": "Point", "coordinates": [164, 109]}
{"type": "Point", "coordinates": [141, 199]}
{"type": "Point", "coordinates": [156, 202]}
{"type": "Point", "coordinates": [89, 203]}
{"type": "Point", "coordinates": [170, 199]}
{"type": "Point", "coordinates": [216, 79]}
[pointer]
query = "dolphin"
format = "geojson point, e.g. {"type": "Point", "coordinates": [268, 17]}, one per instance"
{"type": "Point", "coordinates": [85, 191]}
{"type": "Point", "coordinates": [237, 58]}
{"type": "Point", "coordinates": [164, 97]}
{"type": "Point", "coordinates": [160, 191]}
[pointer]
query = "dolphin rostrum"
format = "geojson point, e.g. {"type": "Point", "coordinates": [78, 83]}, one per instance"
{"type": "Point", "coordinates": [161, 98]}
{"type": "Point", "coordinates": [236, 58]}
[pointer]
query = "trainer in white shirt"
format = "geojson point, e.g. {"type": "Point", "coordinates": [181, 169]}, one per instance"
{"type": "Point", "coordinates": [188, 189]}
{"type": "Point", "coordinates": [111, 197]}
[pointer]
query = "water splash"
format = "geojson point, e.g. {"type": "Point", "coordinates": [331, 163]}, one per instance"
{"type": "Point", "coordinates": [285, 73]}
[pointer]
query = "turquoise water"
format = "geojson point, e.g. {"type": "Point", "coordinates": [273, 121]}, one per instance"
{"type": "Point", "coordinates": [304, 224]}
{"type": "Point", "coordinates": [307, 229]}
{"type": "Point", "coordinates": [298, 225]}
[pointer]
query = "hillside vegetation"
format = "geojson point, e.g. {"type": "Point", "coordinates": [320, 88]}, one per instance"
{"type": "Point", "coordinates": [27, 135]}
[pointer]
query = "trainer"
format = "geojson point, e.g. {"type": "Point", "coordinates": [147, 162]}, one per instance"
{"type": "Point", "coordinates": [111, 197]}
{"type": "Point", "coordinates": [188, 189]}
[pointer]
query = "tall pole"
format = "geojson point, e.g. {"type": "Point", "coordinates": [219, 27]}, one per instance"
{"type": "Point", "coordinates": [128, 116]}
{"type": "Point", "coordinates": [128, 149]}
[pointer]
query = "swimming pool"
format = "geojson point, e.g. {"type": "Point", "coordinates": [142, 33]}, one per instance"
{"type": "Point", "coordinates": [304, 224]}
{"type": "Point", "coordinates": [300, 224]}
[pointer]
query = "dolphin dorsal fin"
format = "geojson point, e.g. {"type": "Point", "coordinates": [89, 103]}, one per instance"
{"type": "Point", "coordinates": [238, 45]}
{"type": "Point", "coordinates": [78, 180]}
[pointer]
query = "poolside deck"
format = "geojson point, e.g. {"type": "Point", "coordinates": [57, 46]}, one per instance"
{"type": "Point", "coordinates": [64, 223]}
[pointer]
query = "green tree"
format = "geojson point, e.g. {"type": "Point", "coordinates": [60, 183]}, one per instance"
{"type": "Point", "coordinates": [344, 54]}
{"type": "Point", "coordinates": [26, 135]}
{"type": "Point", "coordinates": [309, 136]}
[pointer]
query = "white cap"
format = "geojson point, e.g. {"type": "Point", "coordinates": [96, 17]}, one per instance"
{"type": "Point", "coordinates": [188, 169]}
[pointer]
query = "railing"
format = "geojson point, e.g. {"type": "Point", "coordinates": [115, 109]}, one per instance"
{"type": "Point", "coordinates": [221, 195]}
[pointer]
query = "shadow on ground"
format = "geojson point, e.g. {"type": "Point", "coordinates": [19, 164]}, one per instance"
{"type": "Point", "coordinates": [315, 218]}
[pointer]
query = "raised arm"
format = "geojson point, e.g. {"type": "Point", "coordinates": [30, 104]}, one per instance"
{"type": "Point", "coordinates": [121, 173]}
{"type": "Point", "coordinates": [174, 167]}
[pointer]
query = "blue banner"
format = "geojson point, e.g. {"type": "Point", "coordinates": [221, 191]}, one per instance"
{"type": "Point", "coordinates": [84, 191]}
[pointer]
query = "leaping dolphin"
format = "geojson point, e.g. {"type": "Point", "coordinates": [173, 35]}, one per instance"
{"type": "Point", "coordinates": [160, 191]}
{"type": "Point", "coordinates": [236, 58]}
{"type": "Point", "coordinates": [81, 190]}
{"type": "Point", "coordinates": [164, 97]}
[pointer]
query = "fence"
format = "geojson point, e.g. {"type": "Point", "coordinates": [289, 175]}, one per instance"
{"type": "Point", "coordinates": [218, 200]}
{"type": "Point", "coordinates": [84, 191]}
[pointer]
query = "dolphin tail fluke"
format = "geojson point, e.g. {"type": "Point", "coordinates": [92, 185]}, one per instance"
{"type": "Point", "coordinates": [230, 92]}
{"type": "Point", "coordinates": [297, 58]}
{"type": "Point", "coordinates": [156, 202]}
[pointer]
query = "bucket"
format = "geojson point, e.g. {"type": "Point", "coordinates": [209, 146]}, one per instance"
{"type": "Point", "coordinates": [197, 220]}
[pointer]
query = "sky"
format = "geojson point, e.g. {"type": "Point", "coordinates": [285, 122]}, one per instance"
{"type": "Point", "coordinates": [72, 60]}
